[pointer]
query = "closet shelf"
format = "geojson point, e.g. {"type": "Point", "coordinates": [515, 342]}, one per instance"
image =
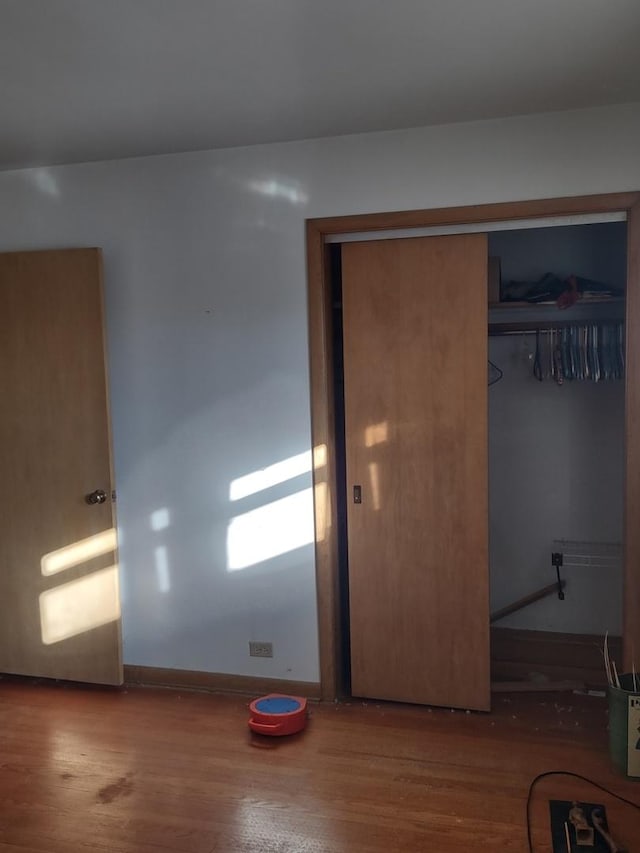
{"type": "Point", "coordinates": [509, 317]}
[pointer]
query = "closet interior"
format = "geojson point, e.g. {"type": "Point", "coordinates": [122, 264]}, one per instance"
{"type": "Point", "coordinates": [556, 417]}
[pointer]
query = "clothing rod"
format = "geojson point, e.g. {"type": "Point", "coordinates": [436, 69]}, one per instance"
{"type": "Point", "coordinates": [494, 333]}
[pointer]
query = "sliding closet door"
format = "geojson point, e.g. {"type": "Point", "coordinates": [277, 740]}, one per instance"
{"type": "Point", "coordinates": [415, 365]}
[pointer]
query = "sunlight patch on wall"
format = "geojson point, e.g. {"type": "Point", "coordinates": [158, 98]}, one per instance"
{"type": "Point", "coordinates": [80, 552]}
{"type": "Point", "coordinates": [319, 456]}
{"type": "Point", "coordinates": [376, 434]}
{"type": "Point", "coordinates": [162, 568]}
{"type": "Point", "coordinates": [45, 182]}
{"type": "Point", "coordinates": [160, 519]}
{"type": "Point", "coordinates": [273, 475]}
{"type": "Point", "coordinates": [374, 478]}
{"type": "Point", "coordinates": [270, 530]}
{"type": "Point", "coordinates": [278, 188]}
{"type": "Point", "coordinates": [323, 511]}
{"type": "Point", "coordinates": [79, 606]}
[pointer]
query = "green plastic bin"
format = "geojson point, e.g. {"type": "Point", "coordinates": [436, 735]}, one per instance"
{"type": "Point", "coordinates": [624, 726]}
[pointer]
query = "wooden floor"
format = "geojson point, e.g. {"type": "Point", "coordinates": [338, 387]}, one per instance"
{"type": "Point", "coordinates": [89, 769]}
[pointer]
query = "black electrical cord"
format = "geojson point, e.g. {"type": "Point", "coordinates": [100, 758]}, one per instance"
{"type": "Point", "coordinates": [575, 776]}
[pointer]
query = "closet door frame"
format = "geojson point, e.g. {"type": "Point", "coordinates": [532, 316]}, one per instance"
{"type": "Point", "coordinates": [332, 677]}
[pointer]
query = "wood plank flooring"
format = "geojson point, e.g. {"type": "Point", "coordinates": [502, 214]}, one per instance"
{"type": "Point", "coordinates": [91, 769]}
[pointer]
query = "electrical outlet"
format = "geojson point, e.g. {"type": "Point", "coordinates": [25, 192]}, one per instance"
{"type": "Point", "coordinates": [260, 650]}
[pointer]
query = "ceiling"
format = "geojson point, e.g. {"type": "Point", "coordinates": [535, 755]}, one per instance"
{"type": "Point", "coordinates": [100, 79]}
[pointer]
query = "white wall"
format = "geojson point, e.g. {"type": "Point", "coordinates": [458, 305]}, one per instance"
{"type": "Point", "coordinates": [200, 399]}
{"type": "Point", "coordinates": [556, 472]}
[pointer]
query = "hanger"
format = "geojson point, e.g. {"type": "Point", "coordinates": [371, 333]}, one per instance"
{"type": "Point", "coordinates": [495, 374]}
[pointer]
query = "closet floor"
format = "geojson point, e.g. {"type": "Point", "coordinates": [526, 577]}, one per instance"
{"type": "Point", "coordinates": [93, 769]}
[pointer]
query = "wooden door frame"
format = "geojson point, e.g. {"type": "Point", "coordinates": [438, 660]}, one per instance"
{"type": "Point", "coordinates": [322, 403]}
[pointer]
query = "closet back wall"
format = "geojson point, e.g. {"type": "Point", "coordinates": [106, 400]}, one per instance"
{"type": "Point", "coordinates": [556, 453]}
{"type": "Point", "coordinates": [202, 399]}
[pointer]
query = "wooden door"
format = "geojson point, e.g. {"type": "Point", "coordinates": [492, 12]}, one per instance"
{"type": "Point", "coordinates": [59, 603]}
{"type": "Point", "coordinates": [415, 365]}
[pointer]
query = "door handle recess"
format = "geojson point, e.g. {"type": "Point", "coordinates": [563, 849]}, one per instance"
{"type": "Point", "coordinates": [99, 496]}
{"type": "Point", "coordinates": [357, 494]}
